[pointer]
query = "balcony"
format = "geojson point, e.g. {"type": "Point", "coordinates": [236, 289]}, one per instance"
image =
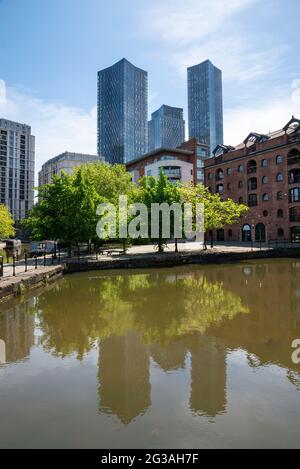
{"type": "Point", "coordinates": [295, 217]}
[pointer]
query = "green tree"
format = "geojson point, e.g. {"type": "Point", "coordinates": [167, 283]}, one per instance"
{"type": "Point", "coordinates": [6, 223]}
{"type": "Point", "coordinates": [217, 213]}
{"type": "Point", "coordinates": [161, 190]}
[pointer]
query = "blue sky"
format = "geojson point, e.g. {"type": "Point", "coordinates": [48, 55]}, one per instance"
{"type": "Point", "coordinates": [51, 51]}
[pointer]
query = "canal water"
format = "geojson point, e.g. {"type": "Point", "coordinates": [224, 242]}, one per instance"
{"type": "Point", "coordinates": [193, 357]}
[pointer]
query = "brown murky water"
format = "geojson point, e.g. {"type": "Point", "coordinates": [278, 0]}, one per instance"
{"type": "Point", "coordinates": [194, 357]}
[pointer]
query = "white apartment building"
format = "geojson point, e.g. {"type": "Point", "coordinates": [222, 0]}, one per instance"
{"type": "Point", "coordinates": [66, 162]}
{"type": "Point", "coordinates": [17, 154]}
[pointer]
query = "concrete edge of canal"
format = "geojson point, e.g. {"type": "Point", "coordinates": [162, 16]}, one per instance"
{"type": "Point", "coordinates": [13, 286]}
{"type": "Point", "coordinates": [177, 259]}
{"type": "Point", "coordinates": [21, 283]}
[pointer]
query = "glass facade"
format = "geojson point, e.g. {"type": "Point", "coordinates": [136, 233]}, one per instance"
{"type": "Point", "coordinates": [166, 128]}
{"type": "Point", "coordinates": [205, 106]}
{"type": "Point", "coordinates": [122, 112]}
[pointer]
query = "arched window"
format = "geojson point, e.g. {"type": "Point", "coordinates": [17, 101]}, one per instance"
{"type": "Point", "coordinates": [219, 174]}
{"type": "Point", "coordinates": [265, 197]}
{"type": "Point", "coordinates": [294, 194]}
{"type": "Point", "coordinates": [279, 195]}
{"type": "Point", "coordinates": [246, 233]}
{"type": "Point", "coordinates": [293, 156]}
{"type": "Point", "coordinates": [280, 232]}
{"type": "Point", "coordinates": [280, 213]}
{"type": "Point", "coordinates": [229, 171]}
{"type": "Point", "coordinates": [252, 184]}
{"type": "Point", "coordinates": [294, 176]}
{"type": "Point", "coordinates": [241, 168]}
{"type": "Point", "coordinates": [265, 180]}
{"type": "Point", "coordinates": [251, 167]}
{"type": "Point", "coordinates": [265, 213]}
{"type": "Point", "coordinates": [228, 186]}
{"type": "Point", "coordinates": [279, 159]}
{"type": "Point", "coordinates": [241, 200]}
{"type": "Point", "coordinates": [220, 189]}
{"type": "Point", "coordinates": [240, 185]}
{"type": "Point", "coordinates": [264, 163]}
{"type": "Point", "coordinates": [279, 177]}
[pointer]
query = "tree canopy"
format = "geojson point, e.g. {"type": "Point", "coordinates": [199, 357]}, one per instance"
{"type": "Point", "coordinates": [6, 223]}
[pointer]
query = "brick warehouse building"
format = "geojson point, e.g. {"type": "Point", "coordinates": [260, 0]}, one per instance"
{"type": "Point", "coordinates": [264, 173]}
{"type": "Point", "coordinates": [184, 164]}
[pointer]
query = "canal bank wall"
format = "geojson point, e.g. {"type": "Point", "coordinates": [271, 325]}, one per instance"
{"type": "Point", "coordinates": [20, 284]}
{"type": "Point", "coordinates": [13, 286]}
{"type": "Point", "coordinates": [178, 259]}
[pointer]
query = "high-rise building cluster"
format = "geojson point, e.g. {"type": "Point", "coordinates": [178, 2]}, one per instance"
{"type": "Point", "coordinates": [123, 131]}
{"type": "Point", "coordinates": [124, 134]}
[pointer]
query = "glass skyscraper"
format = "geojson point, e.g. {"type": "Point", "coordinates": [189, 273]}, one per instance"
{"type": "Point", "coordinates": [205, 106]}
{"type": "Point", "coordinates": [166, 128]}
{"type": "Point", "coordinates": [122, 112]}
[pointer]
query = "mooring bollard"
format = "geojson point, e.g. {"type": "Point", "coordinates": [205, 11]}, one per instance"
{"type": "Point", "coordinates": [25, 261]}
{"type": "Point", "coordinates": [14, 266]}
{"type": "Point", "coordinates": [1, 266]}
{"type": "Point", "coordinates": [44, 259]}
{"type": "Point", "coordinates": [35, 261]}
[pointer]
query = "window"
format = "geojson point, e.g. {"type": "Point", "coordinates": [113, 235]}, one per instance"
{"type": "Point", "coordinates": [251, 167]}
{"type": "Point", "coordinates": [279, 195]}
{"type": "Point", "coordinates": [294, 176]}
{"type": "Point", "coordinates": [280, 213]}
{"type": "Point", "coordinates": [280, 232]}
{"type": "Point", "coordinates": [229, 171]}
{"type": "Point", "coordinates": [246, 233]}
{"type": "Point", "coordinates": [219, 174]}
{"type": "Point", "coordinates": [230, 233]}
{"type": "Point", "coordinates": [252, 184]}
{"type": "Point", "coordinates": [265, 180]}
{"type": "Point", "coordinates": [229, 186]}
{"type": "Point", "coordinates": [264, 163]}
{"type": "Point", "coordinates": [265, 197]}
{"type": "Point", "coordinates": [241, 200]}
{"type": "Point", "coordinates": [241, 168]}
{"type": "Point", "coordinates": [279, 177]}
{"type": "Point", "coordinates": [265, 213]}
{"type": "Point", "coordinates": [279, 159]}
{"type": "Point", "coordinates": [240, 184]}
{"type": "Point", "coordinates": [220, 189]}
{"type": "Point", "coordinates": [209, 176]}
{"type": "Point", "coordinates": [293, 156]}
{"type": "Point", "coordinates": [252, 200]}
{"type": "Point", "coordinates": [294, 194]}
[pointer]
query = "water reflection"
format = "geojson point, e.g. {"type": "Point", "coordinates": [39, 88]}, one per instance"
{"type": "Point", "coordinates": [176, 319]}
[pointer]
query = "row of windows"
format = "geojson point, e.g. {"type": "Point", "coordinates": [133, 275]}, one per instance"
{"type": "Point", "coordinates": [250, 166]}
{"type": "Point", "coordinates": [252, 183]}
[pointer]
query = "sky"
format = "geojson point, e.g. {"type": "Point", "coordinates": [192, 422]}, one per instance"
{"type": "Point", "coordinates": [51, 51]}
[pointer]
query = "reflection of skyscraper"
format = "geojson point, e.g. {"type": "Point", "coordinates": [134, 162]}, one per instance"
{"type": "Point", "coordinates": [208, 376]}
{"type": "Point", "coordinates": [170, 357]}
{"type": "Point", "coordinates": [17, 334]}
{"type": "Point", "coordinates": [124, 380]}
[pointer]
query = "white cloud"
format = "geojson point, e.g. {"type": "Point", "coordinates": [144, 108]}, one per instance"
{"type": "Point", "coordinates": [2, 92]}
{"type": "Point", "coordinates": [57, 127]}
{"type": "Point", "coordinates": [269, 116]}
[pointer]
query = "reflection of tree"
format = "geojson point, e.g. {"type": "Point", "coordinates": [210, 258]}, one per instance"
{"type": "Point", "coordinates": [80, 309]}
